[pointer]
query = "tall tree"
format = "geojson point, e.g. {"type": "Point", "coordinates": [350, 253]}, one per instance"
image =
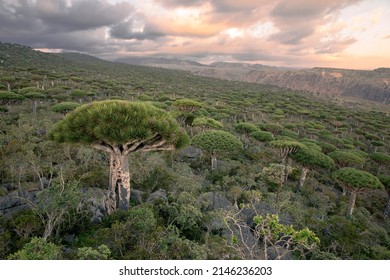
{"type": "Point", "coordinates": [356, 181]}
{"type": "Point", "coordinates": [184, 109]}
{"type": "Point", "coordinates": [284, 148]}
{"type": "Point", "coordinates": [216, 142]}
{"type": "Point", "coordinates": [120, 128]}
{"type": "Point", "coordinates": [310, 158]}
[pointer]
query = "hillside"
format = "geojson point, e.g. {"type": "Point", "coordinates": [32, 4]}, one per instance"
{"type": "Point", "coordinates": [328, 82]}
{"type": "Point", "coordinates": [265, 172]}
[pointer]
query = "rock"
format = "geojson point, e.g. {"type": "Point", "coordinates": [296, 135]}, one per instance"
{"type": "Point", "coordinates": [189, 153]}
{"type": "Point", "coordinates": [212, 201]}
{"type": "Point", "coordinates": [16, 201]}
{"type": "Point", "coordinates": [69, 238]}
{"type": "Point", "coordinates": [45, 182]}
{"type": "Point", "coordinates": [9, 187]}
{"type": "Point", "coordinates": [100, 202]}
{"type": "Point", "coordinates": [136, 196]}
{"type": "Point", "coordinates": [279, 253]}
{"type": "Point", "coordinates": [160, 194]}
{"type": "Point", "coordinates": [263, 209]}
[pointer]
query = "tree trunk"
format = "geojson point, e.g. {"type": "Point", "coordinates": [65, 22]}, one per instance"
{"type": "Point", "coordinates": [352, 200]}
{"type": "Point", "coordinates": [302, 179]}
{"type": "Point", "coordinates": [120, 179]}
{"type": "Point", "coordinates": [213, 162]}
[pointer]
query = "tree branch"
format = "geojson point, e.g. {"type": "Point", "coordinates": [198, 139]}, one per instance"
{"type": "Point", "coordinates": [103, 147]}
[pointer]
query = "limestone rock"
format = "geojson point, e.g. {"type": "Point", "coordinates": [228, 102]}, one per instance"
{"type": "Point", "coordinates": [16, 201]}
{"type": "Point", "coordinates": [160, 194]}
{"type": "Point", "coordinates": [212, 201]}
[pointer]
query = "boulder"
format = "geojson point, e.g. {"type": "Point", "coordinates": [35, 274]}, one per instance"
{"type": "Point", "coordinates": [212, 201]}
{"type": "Point", "coordinates": [100, 203]}
{"type": "Point", "coordinates": [136, 196]}
{"type": "Point", "coordinates": [16, 201]}
{"type": "Point", "coordinates": [189, 153]}
{"type": "Point", "coordinates": [157, 195]}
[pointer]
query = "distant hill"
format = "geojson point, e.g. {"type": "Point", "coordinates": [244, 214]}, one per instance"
{"type": "Point", "coordinates": [373, 85]}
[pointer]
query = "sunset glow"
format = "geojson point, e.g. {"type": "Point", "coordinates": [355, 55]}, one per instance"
{"type": "Point", "coordinates": [300, 33]}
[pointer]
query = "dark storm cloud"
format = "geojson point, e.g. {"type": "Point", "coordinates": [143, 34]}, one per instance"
{"type": "Point", "coordinates": [81, 15]}
{"type": "Point", "coordinates": [135, 29]}
{"type": "Point", "coordinates": [54, 24]}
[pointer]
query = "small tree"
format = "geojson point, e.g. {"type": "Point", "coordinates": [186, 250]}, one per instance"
{"type": "Point", "coordinates": [344, 158]}
{"type": "Point", "coordinates": [217, 142]}
{"type": "Point", "coordinates": [38, 249]}
{"type": "Point", "coordinates": [262, 136]}
{"type": "Point", "coordinates": [310, 158]}
{"type": "Point", "coordinates": [381, 160]}
{"type": "Point", "coordinates": [284, 148]}
{"type": "Point", "coordinates": [185, 107]}
{"type": "Point", "coordinates": [356, 181]}
{"type": "Point", "coordinates": [120, 128]}
{"type": "Point", "coordinates": [65, 107]}
{"type": "Point", "coordinates": [8, 98]}
{"type": "Point", "coordinates": [205, 123]}
{"type": "Point", "coordinates": [246, 128]}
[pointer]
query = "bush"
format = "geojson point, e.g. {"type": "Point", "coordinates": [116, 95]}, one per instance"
{"type": "Point", "coordinates": [38, 249]}
{"type": "Point", "coordinates": [88, 253]}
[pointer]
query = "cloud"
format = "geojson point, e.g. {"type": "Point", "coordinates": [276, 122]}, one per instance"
{"type": "Point", "coordinates": [204, 30]}
{"type": "Point", "coordinates": [80, 15]}
{"type": "Point", "coordinates": [335, 46]}
{"type": "Point", "coordinates": [73, 25]}
{"type": "Point", "coordinates": [299, 19]}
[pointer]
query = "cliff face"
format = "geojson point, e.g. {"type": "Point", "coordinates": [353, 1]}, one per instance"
{"type": "Point", "coordinates": [370, 85]}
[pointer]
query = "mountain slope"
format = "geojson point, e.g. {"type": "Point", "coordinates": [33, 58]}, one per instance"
{"type": "Point", "coordinates": [330, 82]}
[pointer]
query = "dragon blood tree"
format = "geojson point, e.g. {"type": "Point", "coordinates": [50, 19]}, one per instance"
{"type": "Point", "coordinates": [120, 128]}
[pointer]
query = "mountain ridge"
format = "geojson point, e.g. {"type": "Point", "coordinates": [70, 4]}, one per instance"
{"type": "Point", "coordinates": [371, 85]}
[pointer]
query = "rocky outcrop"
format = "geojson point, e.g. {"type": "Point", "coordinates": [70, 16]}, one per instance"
{"type": "Point", "coordinates": [370, 85]}
{"type": "Point", "coordinates": [373, 85]}
{"type": "Point", "coordinates": [15, 201]}
{"type": "Point", "coordinates": [157, 195]}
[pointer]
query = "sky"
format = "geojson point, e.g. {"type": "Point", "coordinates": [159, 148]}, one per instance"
{"type": "Point", "coordinates": [351, 34]}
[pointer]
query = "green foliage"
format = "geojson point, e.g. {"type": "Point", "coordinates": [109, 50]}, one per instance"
{"type": "Point", "coordinates": [35, 95]}
{"type": "Point", "coordinates": [385, 180]}
{"type": "Point", "coordinates": [65, 107]}
{"type": "Point", "coordinates": [7, 97]}
{"type": "Point", "coordinates": [59, 207]}
{"type": "Point", "coordinates": [246, 128]}
{"type": "Point", "coordinates": [347, 158]}
{"type": "Point", "coordinates": [286, 144]}
{"type": "Point", "coordinates": [117, 122]}
{"type": "Point", "coordinates": [38, 249]}
{"type": "Point", "coordinates": [26, 90]}
{"type": "Point", "coordinates": [276, 233]}
{"type": "Point", "coordinates": [79, 93]}
{"type": "Point", "coordinates": [102, 252]}
{"type": "Point", "coordinates": [309, 157]}
{"type": "Point", "coordinates": [217, 141]}
{"type": "Point", "coordinates": [380, 158]}
{"type": "Point", "coordinates": [357, 179]}
{"type": "Point", "coordinates": [187, 105]}
{"type": "Point", "coordinates": [262, 136]}
{"type": "Point", "coordinates": [207, 123]}
{"type": "Point", "coordinates": [275, 171]}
